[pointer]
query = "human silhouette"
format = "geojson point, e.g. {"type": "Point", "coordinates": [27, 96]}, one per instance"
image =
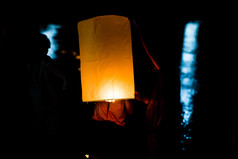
{"type": "Point", "coordinates": [110, 121]}
{"type": "Point", "coordinates": [47, 86]}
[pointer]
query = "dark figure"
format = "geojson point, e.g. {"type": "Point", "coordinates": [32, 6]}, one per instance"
{"type": "Point", "coordinates": [108, 131]}
{"type": "Point", "coordinates": [154, 113]}
{"type": "Point", "coordinates": [47, 87]}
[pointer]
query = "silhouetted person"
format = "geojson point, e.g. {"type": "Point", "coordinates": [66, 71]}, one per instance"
{"type": "Point", "coordinates": [115, 112]}
{"type": "Point", "coordinates": [110, 121]}
{"type": "Point", "coordinates": [47, 84]}
{"type": "Point", "coordinates": [154, 115]}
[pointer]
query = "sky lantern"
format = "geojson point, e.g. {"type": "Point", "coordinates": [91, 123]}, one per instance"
{"type": "Point", "coordinates": [106, 58]}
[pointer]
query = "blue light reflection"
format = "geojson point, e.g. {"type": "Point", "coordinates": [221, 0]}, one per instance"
{"type": "Point", "coordinates": [187, 71]}
{"type": "Point", "coordinates": [187, 76]}
{"type": "Point", "coordinates": [51, 31]}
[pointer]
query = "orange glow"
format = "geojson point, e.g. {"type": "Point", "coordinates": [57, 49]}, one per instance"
{"type": "Point", "coordinates": [110, 100]}
{"type": "Point", "coordinates": [106, 58]}
{"type": "Point", "coordinates": [87, 155]}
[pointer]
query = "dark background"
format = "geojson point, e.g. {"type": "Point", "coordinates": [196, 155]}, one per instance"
{"type": "Point", "coordinates": [162, 28]}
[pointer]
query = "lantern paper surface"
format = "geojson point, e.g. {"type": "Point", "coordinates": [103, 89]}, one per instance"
{"type": "Point", "coordinates": [106, 58]}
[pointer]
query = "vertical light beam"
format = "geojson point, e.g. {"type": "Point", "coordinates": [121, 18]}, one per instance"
{"type": "Point", "coordinates": [51, 31]}
{"type": "Point", "coordinates": [187, 76]}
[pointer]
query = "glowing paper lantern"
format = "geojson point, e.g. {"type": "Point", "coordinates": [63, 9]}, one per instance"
{"type": "Point", "coordinates": [106, 58]}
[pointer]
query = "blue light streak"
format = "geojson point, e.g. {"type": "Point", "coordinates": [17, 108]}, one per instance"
{"type": "Point", "coordinates": [187, 77]}
{"type": "Point", "coordinates": [187, 71]}
{"type": "Point", "coordinates": [51, 31]}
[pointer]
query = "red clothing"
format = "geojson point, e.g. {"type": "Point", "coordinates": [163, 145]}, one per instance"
{"type": "Point", "coordinates": [114, 112]}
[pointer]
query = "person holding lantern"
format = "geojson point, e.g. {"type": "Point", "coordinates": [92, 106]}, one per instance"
{"type": "Point", "coordinates": [115, 112]}
{"type": "Point", "coordinates": [109, 128]}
